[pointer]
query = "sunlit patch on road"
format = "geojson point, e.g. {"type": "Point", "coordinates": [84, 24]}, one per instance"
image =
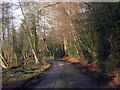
{"type": "Point", "coordinates": [60, 64]}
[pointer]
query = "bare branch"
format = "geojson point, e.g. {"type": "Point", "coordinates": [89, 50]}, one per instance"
{"type": "Point", "coordinates": [40, 11]}
{"type": "Point", "coordinates": [89, 6]}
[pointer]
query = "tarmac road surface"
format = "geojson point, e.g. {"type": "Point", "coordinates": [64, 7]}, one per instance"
{"type": "Point", "coordinates": [65, 75]}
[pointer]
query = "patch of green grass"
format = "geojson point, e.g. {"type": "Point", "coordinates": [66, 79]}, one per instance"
{"type": "Point", "coordinates": [72, 52]}
{"type": "Point", "coordinates": [28, 71]}
{"type": "Point", "coordinates": [33, 67]}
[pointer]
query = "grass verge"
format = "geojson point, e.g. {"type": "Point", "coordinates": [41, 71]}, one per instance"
{"type": "Point", "coordinates": [14, 77]}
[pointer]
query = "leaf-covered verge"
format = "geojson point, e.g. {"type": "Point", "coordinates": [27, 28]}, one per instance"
{"type": "Point", "coordinates": [111, 78]}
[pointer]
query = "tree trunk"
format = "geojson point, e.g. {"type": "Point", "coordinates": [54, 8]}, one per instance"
{"type": "Point", "coordinates": [65, 45]}
{"type": "Point", "coordinates": [36, 59]}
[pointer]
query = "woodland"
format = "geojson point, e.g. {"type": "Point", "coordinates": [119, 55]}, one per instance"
{"type": "Point", "coordinates": [86, 32]}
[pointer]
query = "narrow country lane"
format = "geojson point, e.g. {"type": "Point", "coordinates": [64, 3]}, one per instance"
{"type": "Point", "coordinates": [65, 75]}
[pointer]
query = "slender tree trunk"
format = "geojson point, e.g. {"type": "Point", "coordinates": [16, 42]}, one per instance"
{"type": "Point", "coordinates": [36, 59]}
{"type": "Point", "coordinates": [2, 64]}
{"type": "Point", "coordinates": [13, 44]}
{"type": "Point", "coordinates": [35, 41]}
{"type": "Point", "coordinates": [65, 45]}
